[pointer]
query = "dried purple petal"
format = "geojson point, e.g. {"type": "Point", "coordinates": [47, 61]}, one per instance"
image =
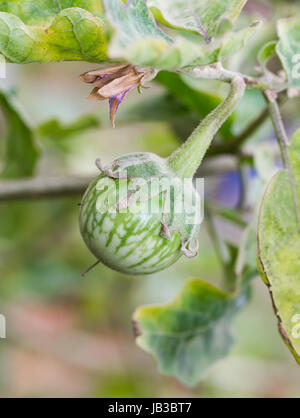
{"type": "Point", "coordinates": [114, 103]}
{"type": "Point", "coordinates": [112, 83]}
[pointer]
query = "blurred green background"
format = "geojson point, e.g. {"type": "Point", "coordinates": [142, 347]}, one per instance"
{"type": "Point", "coordinates": [72, 336]}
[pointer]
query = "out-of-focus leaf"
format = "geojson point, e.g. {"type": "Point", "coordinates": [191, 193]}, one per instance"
{"type": "Point", "coordinates": [55, 131]}
{"type": "Point", "coordinates": [288, 48]}
{"type": "Point", "coordinates": [246, 263]}
{"type": "Point", "coordinates": [265, 163]}
{"type": "Point", "coordinates": [267, 52]}
{"type": "Point", "coordinates": [139, 41]}
{"type": "Point", "coordinates": [163, 107]}
{"type": "Point", "coordinates": [189, 334]}
{"type": "Point", "coordinates": [234, 41]}
{"type": "Point", "coordinates": [198, 15]}
{"type": "Point", "coordinates": [279, 249]}
{"type": "Point", "coordinates": [72, 34]}
{"type": "Point", "coordinates": [21, 151]}
{"type": "Point", "coordinates": [251, 106]}
{"type": "Point", "coordinates": [201, 102]}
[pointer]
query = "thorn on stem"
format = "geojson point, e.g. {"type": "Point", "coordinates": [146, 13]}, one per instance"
{"type": "Point", "coordinates": [90, 268]}
{"type": "Point", "coordinates": [165, 232]}
{"type": "Point", "coordinates": [187, 250]}
{"type": "Point", "coordinates": [99, 164]}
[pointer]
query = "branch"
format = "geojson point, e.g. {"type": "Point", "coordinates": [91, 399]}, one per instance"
{"type": "Point", "coordinates": [217, 72]}
{"type": "Point", "coordinates": [42, 187]}
{"type": "Point", "coordinates": [51, 187]}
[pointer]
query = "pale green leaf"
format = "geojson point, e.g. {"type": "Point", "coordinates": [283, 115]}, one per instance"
{"type": "Point", "coordinates": [267, 52]}
{"type": "Point", "coordinates": [132, 22]}
{"type": "Point", "coordinates": [198, 15]}
{"type": "Point", "coordinates": [138, 40]}
{"type": "Point", "coordinates": [189, 334]}
{"type": "Point", "coordinates": [288, 48]}
{"type": "Point", "coordinates": [72, 34]}
{"type": "Point", "coordinates": [160, 54]}
{"type": "Point", "coordinates": [234, 41]}
{"type": "Point", "coordinates": [21, 151]}
{"type": "Point", "coordinates": [279, 249]}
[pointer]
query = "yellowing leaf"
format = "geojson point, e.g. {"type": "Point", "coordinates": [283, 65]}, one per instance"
{"type": "Point", "coordinates": [72, 34]}
{"type": "Point", "coordinates": [279, 249]}
{"type": "Point", "coordinates": [189, 334]}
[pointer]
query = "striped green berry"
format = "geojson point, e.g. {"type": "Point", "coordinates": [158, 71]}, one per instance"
{"type": "Point", "coordinates": [126, 222]}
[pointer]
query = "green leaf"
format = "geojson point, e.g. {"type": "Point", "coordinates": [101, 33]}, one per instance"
{"type": "Point", "coordinates": [132, 22]}
{"type": "Point", "coordinates": [72, 34]}
{"type": "Point", "coordinates": [288, 48]}
{"type": "Point", "coordinates": [200, 101]}
{"type": "Point", "coordinates": [267, 52]}
{"type": "Point", "coordinates": [55, 131]}
{"type": "Point", "coordinates": [162, 107]}
{"type": "Point", "coordinates": [246, 261]}
{"type": "Point", "coordinates": [198, 15]}
{"type": "Point", "coordinates": [138, 40]}
{"type": "Point", "coordinates": [234, 41]}
{"type": "Point", "coordinates": [160, 54]}
{"type": "Point", "coordinates": [21, 151]}
{"type": "Point", "coordinates": [279, 249]}
{"type": "Point", "coordinates": [189, 334]}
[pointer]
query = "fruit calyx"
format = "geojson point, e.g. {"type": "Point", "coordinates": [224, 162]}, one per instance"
{"type": "Point", "coordinates": [149, 176]}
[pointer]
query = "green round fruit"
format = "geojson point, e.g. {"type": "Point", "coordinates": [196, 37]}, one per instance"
{"type": "Point", "coordinates": [137, 237]}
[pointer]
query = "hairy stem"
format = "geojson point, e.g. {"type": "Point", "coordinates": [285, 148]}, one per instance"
{"type": "Point", "coordinates": [217, 72]}
{"type": "Point", "coordinates": [283, 142]}
{"type": "Point", "coordinates": [186, 159]}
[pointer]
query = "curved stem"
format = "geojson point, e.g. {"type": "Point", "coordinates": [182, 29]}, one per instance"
{"type": "Point", "coordinates": [217, 72]}
{"type": "Point", "coordinates": [186, 159]}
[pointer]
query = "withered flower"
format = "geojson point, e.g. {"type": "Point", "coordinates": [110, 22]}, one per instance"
{"type": "Point", "coordinates": [113, 83]}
